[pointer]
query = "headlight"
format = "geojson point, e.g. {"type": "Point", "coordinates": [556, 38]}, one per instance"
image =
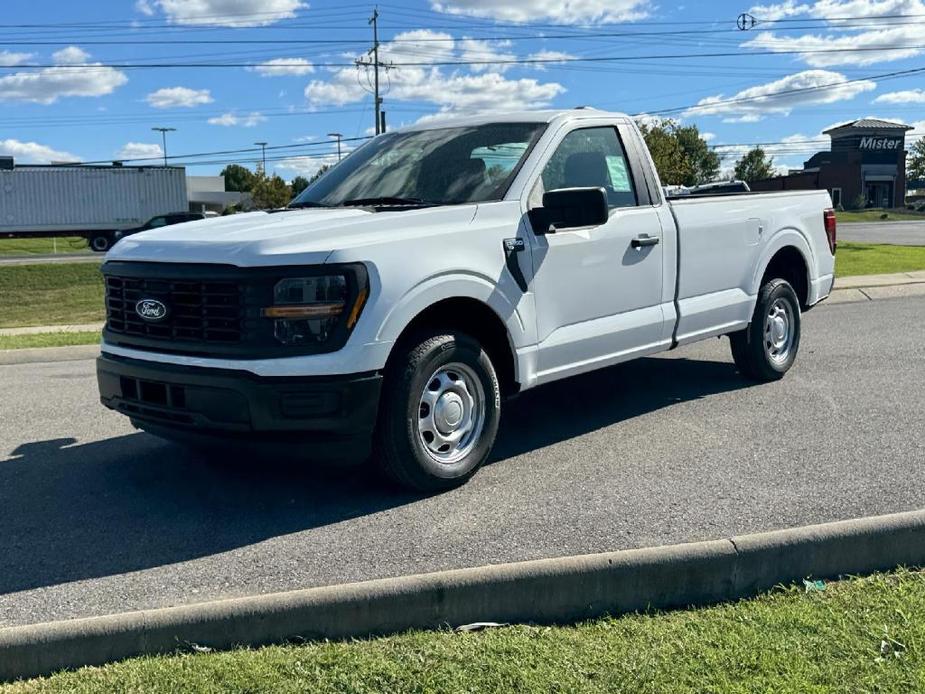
{"type": "Point", "coordinates": [309, 310]}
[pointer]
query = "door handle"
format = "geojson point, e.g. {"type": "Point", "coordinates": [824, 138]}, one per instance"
{"type": "Point", "coordinates": [641, 241]}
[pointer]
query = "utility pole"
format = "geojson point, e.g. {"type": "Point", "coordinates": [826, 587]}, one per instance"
{"type": "Point", "coordinates": [338, 136]}
{"type": "Point", "coordinates": [375, 65]}
{"type": "Point", "coordinates": [163, 132]}
{"type": "Point", "coordinates": [263, 149]}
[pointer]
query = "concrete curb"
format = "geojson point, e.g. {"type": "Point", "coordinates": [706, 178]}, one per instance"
{"type": "Point", "coordinates": [543, 591]}
{"type": "Point", "coordinates": [40, 329]}
{"type": "Point", "coordinates": [43, 355]}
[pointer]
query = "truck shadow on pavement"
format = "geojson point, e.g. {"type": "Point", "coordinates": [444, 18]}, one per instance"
{"type": "Point", "coordinates": [77, 511]}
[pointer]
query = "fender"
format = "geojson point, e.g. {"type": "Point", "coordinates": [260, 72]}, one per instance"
{"type": "Point", "coordinates": [520, 328]}
{"type": "Point", "coordinates": [788, 236]}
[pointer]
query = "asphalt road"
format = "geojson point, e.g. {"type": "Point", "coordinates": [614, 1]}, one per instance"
{"type": "Point", "coordinates": [96, 518]}
{"type": "Point", "coordinates": [901, 233]}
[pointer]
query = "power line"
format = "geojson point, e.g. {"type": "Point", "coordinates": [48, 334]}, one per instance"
{"type": "Point", "coordinates": [448, 63]}
{"type": "Point", "coordinates": [246, 150]}
{"type": "Point", "coordinates": [785, 92]}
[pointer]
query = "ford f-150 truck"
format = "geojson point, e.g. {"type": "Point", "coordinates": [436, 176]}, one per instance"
{"type": "Point", "coordinates": [398, 301]}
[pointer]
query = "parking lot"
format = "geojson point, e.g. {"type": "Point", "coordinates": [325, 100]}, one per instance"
{"type": "Point", "coordinates": [99, 518]}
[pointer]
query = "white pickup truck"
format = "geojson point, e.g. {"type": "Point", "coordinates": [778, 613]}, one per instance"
{"type": "Point", "coordinates": [396, 302]}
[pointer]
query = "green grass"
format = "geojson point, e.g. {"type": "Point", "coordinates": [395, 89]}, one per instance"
{"type": "Point", "coordinates": [50, 294]}
{"type": "Point", "coordinates": [72, 293]}
{"type": "Point", "coordinates": [862, 635]}
{"type": "Point", "coordinates": [64, 244]}
{"type": "Point", "coordinates": [49, 340]}
{"type": "Point", "coordinates": [875, 259]}
{"type": "Point", "coordinates": [875, 215]}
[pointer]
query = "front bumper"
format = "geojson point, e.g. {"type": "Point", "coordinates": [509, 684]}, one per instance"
{"type": "Point", "coordinates": [327, 415]}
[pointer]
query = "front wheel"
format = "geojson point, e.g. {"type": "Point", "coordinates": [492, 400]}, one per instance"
{"type": "Point", "coordinates": [101, 242]}
{"type": "Point", "coordinates": [767, 348]}
{"type": "Point", "coordinates": [440, 411]}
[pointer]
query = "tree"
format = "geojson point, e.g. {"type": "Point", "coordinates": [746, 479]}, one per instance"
{"type": "Point", "coordinates": [754, 165]}
{"type": "Point", "coordinates": [238, 179]}
{"type": "Point", "coordinates": [319, 173]}
{"type": "Point", "coordinates": [915, 166]}
{"type": "Point", "coordinates": [681, 155]}
{"type": "Point", "coordinates": [298, 184]}
{"type": "Point", "coordinates": [270, 192]}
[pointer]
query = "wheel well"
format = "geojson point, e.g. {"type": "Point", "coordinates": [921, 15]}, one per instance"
{"type": "Point", "coordinates": [788, 264]}
{"type": "Point", "coordinates": [473, 318]}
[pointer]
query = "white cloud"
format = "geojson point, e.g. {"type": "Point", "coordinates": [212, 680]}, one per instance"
{"type": "Point", "coordinates": [47, 85]}
{"type": "Point", "coordinates": [247, 120]}
{"type": "Point", "coordinates": [139, 150]}
{"type": "Point", "coordinates": [708, 137]}
{"type": "Point", "coordinates": [567, 12]}
{"type": "Point", "coordinates": [178, 97]}
{"type": "Point", "coordinates": [9, 59]}
{"type": "Point", "coordinates": [33, 152]}
{"type": "Point", "coordinates": [144, 7]}
{"type": "Point", "coordinates": [455, 91]}
{"type": "Point", "coordinates": [282, 67]}
{"type": "Point", "coordinates": [483, 53]}
{"type": "Point", "coordinates": [557, 58]}
{"type": "Point", "coordinates": [306, 166]}
{"type": "Point", "coordinates": [72, 55]}
{"type": "Point", "coordinates": [890, 35]}
{"type": "Point", "coordinates": [771, 13]}
{"type": "Point", "coordinates": [782, 96]}
{"type": "Point", "coordinates": [908, 96]}
{"type": "Point", "coordinates": [229, 13]}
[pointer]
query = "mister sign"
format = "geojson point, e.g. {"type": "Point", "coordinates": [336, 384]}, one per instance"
{"type": "Point", "coordinates": [881, 143]}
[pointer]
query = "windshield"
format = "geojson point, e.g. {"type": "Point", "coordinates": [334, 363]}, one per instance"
{"type": "Point", "coordinates": [440, 167]}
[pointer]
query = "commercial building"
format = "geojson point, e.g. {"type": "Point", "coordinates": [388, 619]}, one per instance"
{"type": "Point", "coordinates": [865, 166]}
{"type": "Point", "coordinates": [208, 194]}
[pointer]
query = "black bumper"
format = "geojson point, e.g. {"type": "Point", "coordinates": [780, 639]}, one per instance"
{"type": "Point", "coordinates": [327, 415]}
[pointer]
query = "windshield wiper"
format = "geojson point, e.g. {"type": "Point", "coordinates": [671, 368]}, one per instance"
{"type": "Point", "coordinates": [305, 203]}
{"type": "Point", "coordinates": [387, 200]}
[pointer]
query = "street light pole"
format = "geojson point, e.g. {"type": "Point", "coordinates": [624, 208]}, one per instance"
{"type": "Point", "coordinates": [163, 132]}
{"type": "Point", "coordinates": [338, 136]}
{"type": "Point", "coordinates": [263, 149]}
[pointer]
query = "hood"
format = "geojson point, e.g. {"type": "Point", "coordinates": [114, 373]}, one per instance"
{"type": "Point", "coordinates": [298, 237]}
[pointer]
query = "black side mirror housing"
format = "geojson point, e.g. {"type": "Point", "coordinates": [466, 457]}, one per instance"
{"type": "Point", "coordinates": [569, 208]}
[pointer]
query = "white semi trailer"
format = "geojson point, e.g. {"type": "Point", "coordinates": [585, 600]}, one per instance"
{"type": "Point", "coordinates": [89, 201]}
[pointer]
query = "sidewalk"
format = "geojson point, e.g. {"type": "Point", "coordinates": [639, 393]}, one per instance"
{"type": "Point", "coordinates": [871, 287]}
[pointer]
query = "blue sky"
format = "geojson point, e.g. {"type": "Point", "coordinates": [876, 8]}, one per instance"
{"type": "Point", "coordinates": [67, 91]}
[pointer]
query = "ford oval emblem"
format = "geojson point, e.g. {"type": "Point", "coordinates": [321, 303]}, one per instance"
{"type": "Point", "coordinates": [151, 310]}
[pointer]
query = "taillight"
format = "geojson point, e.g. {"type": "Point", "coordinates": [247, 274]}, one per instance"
{"type": "Point", "coordinates": [828, 220]}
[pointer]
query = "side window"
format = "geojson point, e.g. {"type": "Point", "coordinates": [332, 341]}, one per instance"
{"type": "Point", "coordinates": [499, 160]}
{"type": "Point", "coordinates": [592, 157]}
{"type": "Point", "coordinates": [157, 222]}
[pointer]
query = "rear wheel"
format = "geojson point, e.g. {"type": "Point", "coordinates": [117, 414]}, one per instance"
{"type": "Point", "coordinates": [440, 411]}
{"type": "Point", "coordinates": [767, 348]}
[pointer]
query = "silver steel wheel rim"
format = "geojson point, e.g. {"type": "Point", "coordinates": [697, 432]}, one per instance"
{"type": "Point", "coordinates": [778, 331]}
{"type": "Point", "coordinates": [451, 413]}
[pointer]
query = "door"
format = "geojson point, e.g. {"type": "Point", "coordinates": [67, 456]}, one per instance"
{"type": "Point", "coordinates": [598, 289]}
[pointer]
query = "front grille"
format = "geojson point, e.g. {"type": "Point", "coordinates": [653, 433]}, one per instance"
{"type": "Point", "coordinates": [212, 310]}
{"type": "Point", "coordinates": [197, 311]}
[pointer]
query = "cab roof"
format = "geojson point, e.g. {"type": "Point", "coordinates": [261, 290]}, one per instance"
{"type": "Point", "coordinates": [544, 116]}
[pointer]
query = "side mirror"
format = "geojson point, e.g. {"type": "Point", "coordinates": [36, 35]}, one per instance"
{"type": "Point", "coordinates": [568, 208]}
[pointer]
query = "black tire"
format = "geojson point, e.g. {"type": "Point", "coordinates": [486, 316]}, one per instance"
{"type": "Point", "coordinates": [401, 451]}
{"type": "Point", "coordinates": [100, 242]}
{"type": "Point", "coordinates": [753, 350]}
